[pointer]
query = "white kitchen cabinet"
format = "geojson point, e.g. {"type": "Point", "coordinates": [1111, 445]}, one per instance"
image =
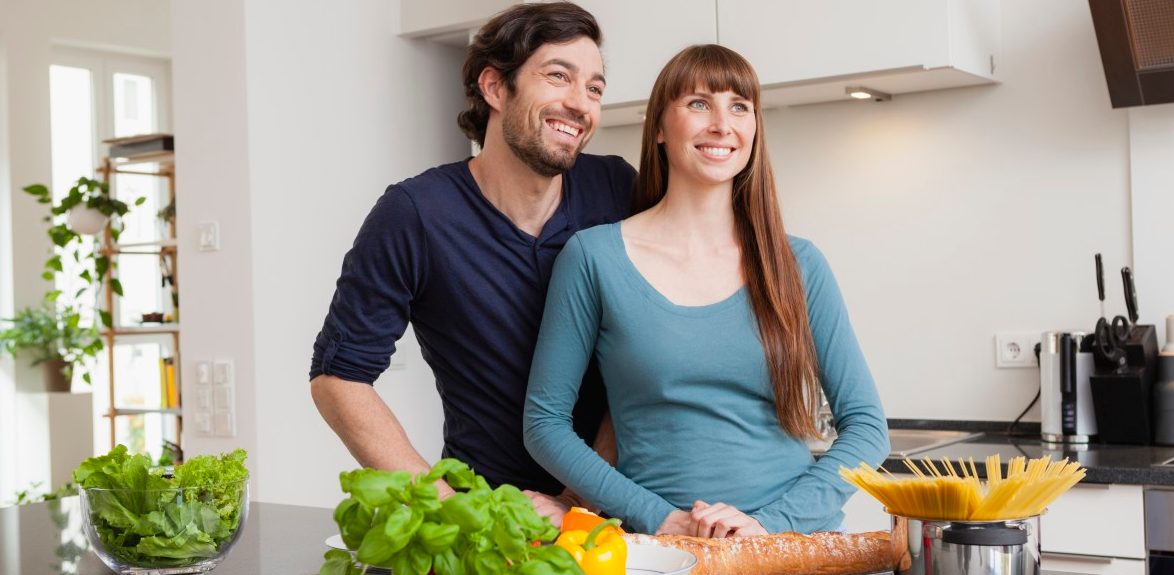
{"type": "Point", "coordinates": [811, 51]}
{"type": "Point", "coordinates": [638, 40]}
{"type": "Point", "coordinates": [1092, 565]}
{"type": "Point", "coordinates": [447, 20]}
{"type": "Point", "coordinates": [1094, 521]}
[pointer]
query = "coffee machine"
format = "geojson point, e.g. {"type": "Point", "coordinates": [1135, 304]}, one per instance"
{"type": "Point", "coordinates": [1066, 402]}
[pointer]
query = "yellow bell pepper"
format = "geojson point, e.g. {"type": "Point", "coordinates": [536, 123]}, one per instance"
{"type": "Point", "coordinates": [600, 552]}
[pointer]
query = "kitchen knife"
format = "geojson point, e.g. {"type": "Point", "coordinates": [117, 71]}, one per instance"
{"type": "Point", "coordinates": [1101, 283]}
{"type": "Point", "coordinates": [1130, 293]}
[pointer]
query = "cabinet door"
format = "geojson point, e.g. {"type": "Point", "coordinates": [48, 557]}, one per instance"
{"type": "Point", "coordinates": [433, 18]}
{"type": "Point", "coordinates": [864, 513]}
{"type": "Point", "coordinates": [1098, 520]}
{"type": "Point", "coordinates": [1092, 565]}
{"type": "Point", "coordinates": [640, 37]}
{"type": "Point", "coordinates": [796, 40]}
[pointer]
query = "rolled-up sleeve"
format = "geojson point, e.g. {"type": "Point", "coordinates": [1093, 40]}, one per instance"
{"type": "Point", "coordinates": [381, 274]}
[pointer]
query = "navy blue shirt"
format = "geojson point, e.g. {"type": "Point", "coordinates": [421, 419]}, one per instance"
{"type": "Point", "coordinates": [435, 252]}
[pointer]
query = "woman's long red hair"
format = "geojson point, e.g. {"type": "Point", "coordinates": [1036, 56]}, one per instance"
{"type": "Point", "coordinates": [773, 278]}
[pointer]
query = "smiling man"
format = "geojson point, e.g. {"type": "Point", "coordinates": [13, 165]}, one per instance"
{"type": "Point", "coordinates": [464, 253]}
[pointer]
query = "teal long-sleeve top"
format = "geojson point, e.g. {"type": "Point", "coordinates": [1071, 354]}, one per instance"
{"type": "Point", "coordinates": [690, 396]}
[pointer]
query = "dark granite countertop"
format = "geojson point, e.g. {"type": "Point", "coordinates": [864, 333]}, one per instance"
{"type": "Point", "coordinates": [1125, 464]}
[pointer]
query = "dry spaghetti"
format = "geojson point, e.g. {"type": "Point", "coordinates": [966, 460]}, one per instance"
{"type": "Point", "coordinates": [951, 493]}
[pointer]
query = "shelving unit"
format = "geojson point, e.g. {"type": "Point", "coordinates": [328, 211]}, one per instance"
{"type": "Point", "coordinates": [167, 251]}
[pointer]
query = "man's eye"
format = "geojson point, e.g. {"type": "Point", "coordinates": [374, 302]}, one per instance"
{"type": "Point", "coordinates": [559, 76]}
{"type": "Point", "coordinates": [596, 90]}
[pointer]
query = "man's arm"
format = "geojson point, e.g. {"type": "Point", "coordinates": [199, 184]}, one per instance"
{"type": "Point", "coordinates": [367, 426]}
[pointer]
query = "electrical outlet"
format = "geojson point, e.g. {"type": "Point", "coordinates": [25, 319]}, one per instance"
{"type": "Point", "coordinates": [209, 236]}
{"type": "Point", "coordinates": [1016, 348]}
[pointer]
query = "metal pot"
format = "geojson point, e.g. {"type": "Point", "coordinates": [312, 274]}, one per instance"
{"type": "Point", "coordinates": [932, 547]}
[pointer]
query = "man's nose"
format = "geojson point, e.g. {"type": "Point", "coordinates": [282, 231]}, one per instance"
{"type": "Point", "coordinates": [577, 100]}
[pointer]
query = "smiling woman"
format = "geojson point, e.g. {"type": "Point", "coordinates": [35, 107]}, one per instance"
{"type": "Point", "coordinates": [709, 429]}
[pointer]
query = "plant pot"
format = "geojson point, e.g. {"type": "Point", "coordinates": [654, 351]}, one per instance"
{"type": "Point", "coordinates": [84, 220]}
{"type": "Point", "coordinates": [55, 381]}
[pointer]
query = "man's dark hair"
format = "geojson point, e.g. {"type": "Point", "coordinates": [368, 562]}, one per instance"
{"type": "Point", "coordinates": [507, 41]}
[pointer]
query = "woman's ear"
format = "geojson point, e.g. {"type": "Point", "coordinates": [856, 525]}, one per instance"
{"type": "Point", "coordinates": [492, 86]}
{"type": "Point", "coordinates": [660, 136]}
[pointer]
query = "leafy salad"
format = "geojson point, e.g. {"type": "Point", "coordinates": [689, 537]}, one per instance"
{"type": "Point", "coordinates": [147, 518]}
{"type": "Point", "coordinates": [392, 519]}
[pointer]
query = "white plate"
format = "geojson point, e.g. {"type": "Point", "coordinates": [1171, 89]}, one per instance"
{"type": "Point", "coordinates": [643, 559]}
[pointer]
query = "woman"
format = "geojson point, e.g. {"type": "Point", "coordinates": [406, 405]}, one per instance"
{"type": "Point", "coordinates": [714, 332]}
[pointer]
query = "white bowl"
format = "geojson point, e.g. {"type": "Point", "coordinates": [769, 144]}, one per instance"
{"type": "Point", "coordinates": [646, 559]}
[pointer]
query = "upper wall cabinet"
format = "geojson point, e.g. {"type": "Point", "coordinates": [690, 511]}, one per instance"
{"type": "Point", "coordinates": [638, 39]}
{"type": "Point", "coordinates": [448, 21]}
{"type": "Point", "coordinates": [808, 52]}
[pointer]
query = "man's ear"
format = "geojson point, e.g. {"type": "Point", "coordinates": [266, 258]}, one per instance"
{"type": "Point", "coordinates": [493, 88]}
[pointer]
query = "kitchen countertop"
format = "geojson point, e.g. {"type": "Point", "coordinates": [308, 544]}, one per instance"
{"type": "Point", "coordinates": [278, 539]}
{"type": "Point", "coordinates": [1124, 464]}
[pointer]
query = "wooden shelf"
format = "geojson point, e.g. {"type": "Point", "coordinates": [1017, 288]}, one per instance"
{"type": "Point", "coordinates": [144, 248]}
{"type": "Point", "coordinates": [117, 411]}
{"type": "Point", "coordinates": [144, 330]}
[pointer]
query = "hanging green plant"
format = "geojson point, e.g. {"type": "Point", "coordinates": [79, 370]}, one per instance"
{"type": "Point", "coordinates": [88, 203]}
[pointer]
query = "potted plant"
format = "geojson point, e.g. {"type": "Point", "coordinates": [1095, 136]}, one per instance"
{"type": "Point", "coordinates": [55, 338]}
{"type": "Point", "coordinates": [89, 206]}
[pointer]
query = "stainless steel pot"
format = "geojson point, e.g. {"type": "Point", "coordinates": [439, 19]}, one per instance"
{"type": "Point", "coordinates": [930, 547]}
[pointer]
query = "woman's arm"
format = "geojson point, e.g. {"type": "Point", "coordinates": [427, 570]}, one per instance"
{"type": "Point", "coordinates": [566, 343]}
{"type": "Point", "coordinates": [814, 501]}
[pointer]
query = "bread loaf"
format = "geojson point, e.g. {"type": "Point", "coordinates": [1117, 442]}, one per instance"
{"type": "Point", "coordinates": [822, 553]}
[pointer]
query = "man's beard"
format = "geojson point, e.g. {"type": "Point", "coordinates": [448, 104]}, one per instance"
{"type": "Point", "coordinates": [527, 144]}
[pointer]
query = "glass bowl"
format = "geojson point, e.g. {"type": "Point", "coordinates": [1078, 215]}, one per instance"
{"type": "Point", "coordinates": [165, 531]}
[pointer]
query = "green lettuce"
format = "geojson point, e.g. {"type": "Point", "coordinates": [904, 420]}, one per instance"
{"type": "Point", "coordinates": [144, 521]}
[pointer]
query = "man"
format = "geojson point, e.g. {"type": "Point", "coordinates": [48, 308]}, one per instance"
{"type": "Point", "coordinates": [464, 252]}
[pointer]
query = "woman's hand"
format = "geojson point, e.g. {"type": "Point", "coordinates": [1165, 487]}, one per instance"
{"type": "Point", "coordinates": [678, 522]}
{"type": "Point", "coordinates": [721, 520]}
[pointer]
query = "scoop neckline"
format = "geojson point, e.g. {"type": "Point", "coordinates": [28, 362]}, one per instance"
{"type": "Point", "coordinates": [655, 296]}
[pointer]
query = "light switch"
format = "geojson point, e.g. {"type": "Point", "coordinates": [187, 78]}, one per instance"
{"type": "Point", "coordinates": [224, 424]}
{"type": "Point", "coordinates": [209, 237]}
{"type": "Point", "coordinates": [222, 399]}
{"type": "Point", "coordinates": [204, 424]}
{"type": "Point", "coordinates": [203, 372]}
{"type": "Point", "coordinates": [222, 372]}
{"type": "Point", "coordinates": [204, 399]}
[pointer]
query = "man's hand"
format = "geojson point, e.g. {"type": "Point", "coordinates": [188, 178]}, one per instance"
{"type": "Point", "coordinates": [721, 520]}
{"type": "Point", "coordinates": [552, 507]}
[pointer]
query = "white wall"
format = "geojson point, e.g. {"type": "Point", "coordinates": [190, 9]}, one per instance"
{"type": "Point", "coordinates": [28, 30]}
{"type": "Point", "coordinates": [1151, 145]}
{"type": "Point", "coordinates": [287, 144]}
{"type": "Point", "coordinates": [950, 215]}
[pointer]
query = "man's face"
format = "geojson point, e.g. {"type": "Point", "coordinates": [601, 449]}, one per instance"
{"type": "Point", "coordinates": [554, 109]}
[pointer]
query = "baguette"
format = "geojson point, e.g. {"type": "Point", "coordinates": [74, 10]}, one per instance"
{"type": "Point", "coordinates": [821, 553]}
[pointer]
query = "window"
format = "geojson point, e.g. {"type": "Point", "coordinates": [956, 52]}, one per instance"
{"type": "Point", "coordinates": [95, 96]}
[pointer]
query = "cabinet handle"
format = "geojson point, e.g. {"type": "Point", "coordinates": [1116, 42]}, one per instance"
{"type": "Point", "coordinates": [1077, 557]}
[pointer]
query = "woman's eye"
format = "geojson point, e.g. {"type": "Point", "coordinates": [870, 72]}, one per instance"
{"type": "Point", "coordinates": [741, 108]}
{"type": "Point", "coordinates": [698, 104]}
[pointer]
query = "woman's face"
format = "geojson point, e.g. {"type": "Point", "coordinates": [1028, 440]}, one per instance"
{"type": "Point", "coordinates": [707, 136]}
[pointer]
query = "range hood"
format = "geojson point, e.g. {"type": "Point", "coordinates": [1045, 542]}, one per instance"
{"type": "Point", "coordinates": [1136, 38]}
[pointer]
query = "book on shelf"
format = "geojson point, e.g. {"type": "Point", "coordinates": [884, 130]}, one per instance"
{"type": "Point", "coordinates": [167, 388]}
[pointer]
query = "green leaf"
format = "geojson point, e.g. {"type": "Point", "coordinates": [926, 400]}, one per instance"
{"type": "Point", "coordinates": [116, 286]}
{"type": "Point", "coordinates": [140, 201]}
{"type": "Point", "coordinates": [489, 562]}
{"type": "Point", "coordinates": [107, 319]}
{"type": "Point", "coordinates": [47, 276]}
{"type": "Point", "coordinates": [401, 526]}
{"type": "Point", "coordinates": [509, 539]}
{"type": "Point", "coordinates": [466, 511]}
{"type": "Point", "coordinates": [374, 487]}
{"type": "Point", "coordinates": [375, 549]}
{"type": "Point", "coordinates": [337, 562]}
{"type": "Point", "coordinates": [447, 563]}
{"type": "Point", "coordinates": [54, 263]}
{"type": "Point", "coordinates": [437, 538]}
{"type": "Point", "coordinates": [37, 190]}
